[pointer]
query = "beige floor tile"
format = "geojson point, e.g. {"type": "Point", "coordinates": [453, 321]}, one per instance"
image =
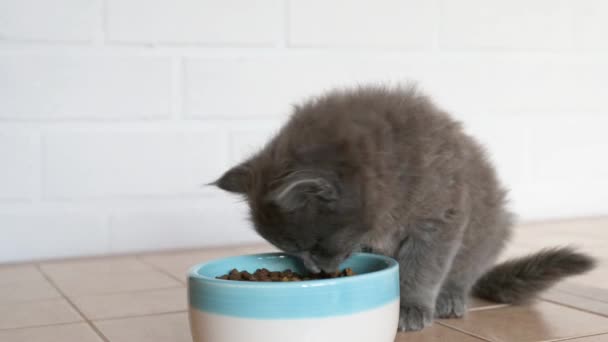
{"type": "Point", "coordinates": [596, 278]}
{"type": "Point", "coordinates": [179, 263]}
{"type": "Point", "coordinates": [513, 251]}
{"type": "Point", "coordinates": [476, 304]}
{"type": "Point", "coordinates": [33, 313]}
{"type": "Point", "coordinates": [542, 239]}
{"type": "Point", "coordinates": [132, 303]}
{"type": "Point", "coordinates": [20, 283]}
{"type": "Point", "coordinates": [594, 227]}
{"type": "Point", "coordinates": [591, 227]}
{"type": "Point", "coordinates": [590, 246]}
{"type": "Point", "coordinates": [13, 274]}
{"type": "Point", "coordinates": [590, 292]}
{"type": "Point", "coordinates": [75, 284]}
{"type": "Point", "coordinates": [596, 338]}
{"type": "Point", "coordinates": [80, 332]}
{"type": "Point", "coordinates": [436, 333]}
{"type": "Point", "coordinates": [160, 328]}
{"type": "Point", "coordinates": [575, 301]}
{"type": "Point", "coordinates": [538, 322]}
{"type": "Point", "coordinates": [590, 235]}
{"type": "Point", "coordinates": [27, 290]}
{"type": "Point", "coordinates": [95, 266]}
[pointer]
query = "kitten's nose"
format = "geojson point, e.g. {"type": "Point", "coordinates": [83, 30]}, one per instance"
{"type": "Point", "coordinates": [328, 264]}
{"type": "Point", "coordinates": [308, 262]}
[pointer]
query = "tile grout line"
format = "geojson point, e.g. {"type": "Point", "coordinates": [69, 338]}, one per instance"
{"type": "Point", "coordinates": [574, 308]}
{"type": "Point", "coordinates": [553, 340]}
{"type": "Point", "coordinates": [160, 269]}
{"type": "Point", "coordinates": [138, 316]}
{"type": "Point", "coordinates": [463, 331]}
{"type": "Point", "coordinates": [102, 256]}
{"type": "Point", "coordinates": [489, 307]}
{"type": "Point", "coordinates": [86, 319]}
{"type": "Point", "coordinates": [576, 337]}
{"type": "Point", "coordinates": [112, 293]}
{"type": "Point", "coordinates": [574, 293]}
{"type": "Point", "coordinates": [40, 326]}
{"type": "Point", "coordinates": [47, 299]}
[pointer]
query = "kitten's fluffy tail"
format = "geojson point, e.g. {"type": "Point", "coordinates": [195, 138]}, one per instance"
{"type": "Point", "coordinates": [519, 280]}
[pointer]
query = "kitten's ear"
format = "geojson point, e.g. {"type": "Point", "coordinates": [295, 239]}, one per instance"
{"type": "Point", "coordinates": [237, 179]}
{"type": "Point", "coordinates": [298, 193]}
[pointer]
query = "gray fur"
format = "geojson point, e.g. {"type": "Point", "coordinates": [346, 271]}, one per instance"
{"type": "Point", "coordinates": [297, 193]}
{"type": "Point", "coordinates": [519, 280]}
{"type": "Point", "coordinates": [385, 170]}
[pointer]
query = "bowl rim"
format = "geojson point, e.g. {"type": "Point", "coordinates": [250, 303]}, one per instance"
{"type": "Point", "coordinates": [193, 274]}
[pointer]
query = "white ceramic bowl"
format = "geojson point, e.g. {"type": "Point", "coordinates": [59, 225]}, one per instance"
{"type": "Point", "coordinates": [360, 308]}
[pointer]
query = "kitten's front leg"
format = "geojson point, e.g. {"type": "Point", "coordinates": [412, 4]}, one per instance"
{"type": "Point", "coordinates": [424, 258]}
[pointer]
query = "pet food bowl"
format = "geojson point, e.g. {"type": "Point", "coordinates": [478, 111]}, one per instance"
{"type": "Point", "coordinates": [359, 308]}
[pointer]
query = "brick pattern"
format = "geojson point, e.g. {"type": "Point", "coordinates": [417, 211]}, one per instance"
{"type": "Point", "coordinates": [82, 87]}
{"type": "Point", "coordinates": [114, 113]}
{"type": "Point", "coordinates": [390, 23]}
{"type": "Point", "coordinates": [520, 24]}
{"type": "Point", "coordinates": [231, 22]}
{"type": "Point", "coordinates": [53, 21]}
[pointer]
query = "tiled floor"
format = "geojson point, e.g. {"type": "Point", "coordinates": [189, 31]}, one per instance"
{"type": "Point", "coordinates": [142, 297]}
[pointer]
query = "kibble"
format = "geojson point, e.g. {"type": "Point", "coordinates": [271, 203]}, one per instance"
{"type": "Point", "coordinates": [262, 274]}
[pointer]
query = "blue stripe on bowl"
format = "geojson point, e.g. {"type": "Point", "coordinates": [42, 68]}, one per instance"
{"type": "Point", "coordinates": [376, 284]}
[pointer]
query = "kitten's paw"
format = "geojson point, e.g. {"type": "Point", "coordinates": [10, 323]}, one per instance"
{"type": "Point", "coordinates": [414, 317]}
{"type": "Point", "coordinates": [450, 305]}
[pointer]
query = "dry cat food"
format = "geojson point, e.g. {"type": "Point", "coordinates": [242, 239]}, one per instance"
{"type": "Point", "coordinates": [262, 274]}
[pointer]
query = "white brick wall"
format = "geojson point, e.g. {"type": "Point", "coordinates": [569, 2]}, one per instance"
{"type": "Point", "coordinates": [19, 153]}
{"type": "Point", "coordinates": [37, 234]}
{"type": "Point", "coordinates": [211, 223]}
{"type": "Point", "coordinates": [76, 87]}
{"type": "Point", "coordinates": [590, 30]}
{"type": "Point", "coordinates": [396, 23]}
{"type": "Point", "coordinates": [43, 20]}
{"type": "Point", "coordinates": [113, 113]}
{"type": "Point", "coordinates": [228, 22]}
{"type": "Point", "coordinates": [130, 162]}
{"type": "Point", "coordinates": [515, 24]}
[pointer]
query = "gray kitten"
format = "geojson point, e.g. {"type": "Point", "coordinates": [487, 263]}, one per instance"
{"type": "Point", "coordinates": [385, 170]}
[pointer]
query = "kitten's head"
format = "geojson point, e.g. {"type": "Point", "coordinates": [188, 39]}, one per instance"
{"type": "Point", "coordinates": [313, 212]}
